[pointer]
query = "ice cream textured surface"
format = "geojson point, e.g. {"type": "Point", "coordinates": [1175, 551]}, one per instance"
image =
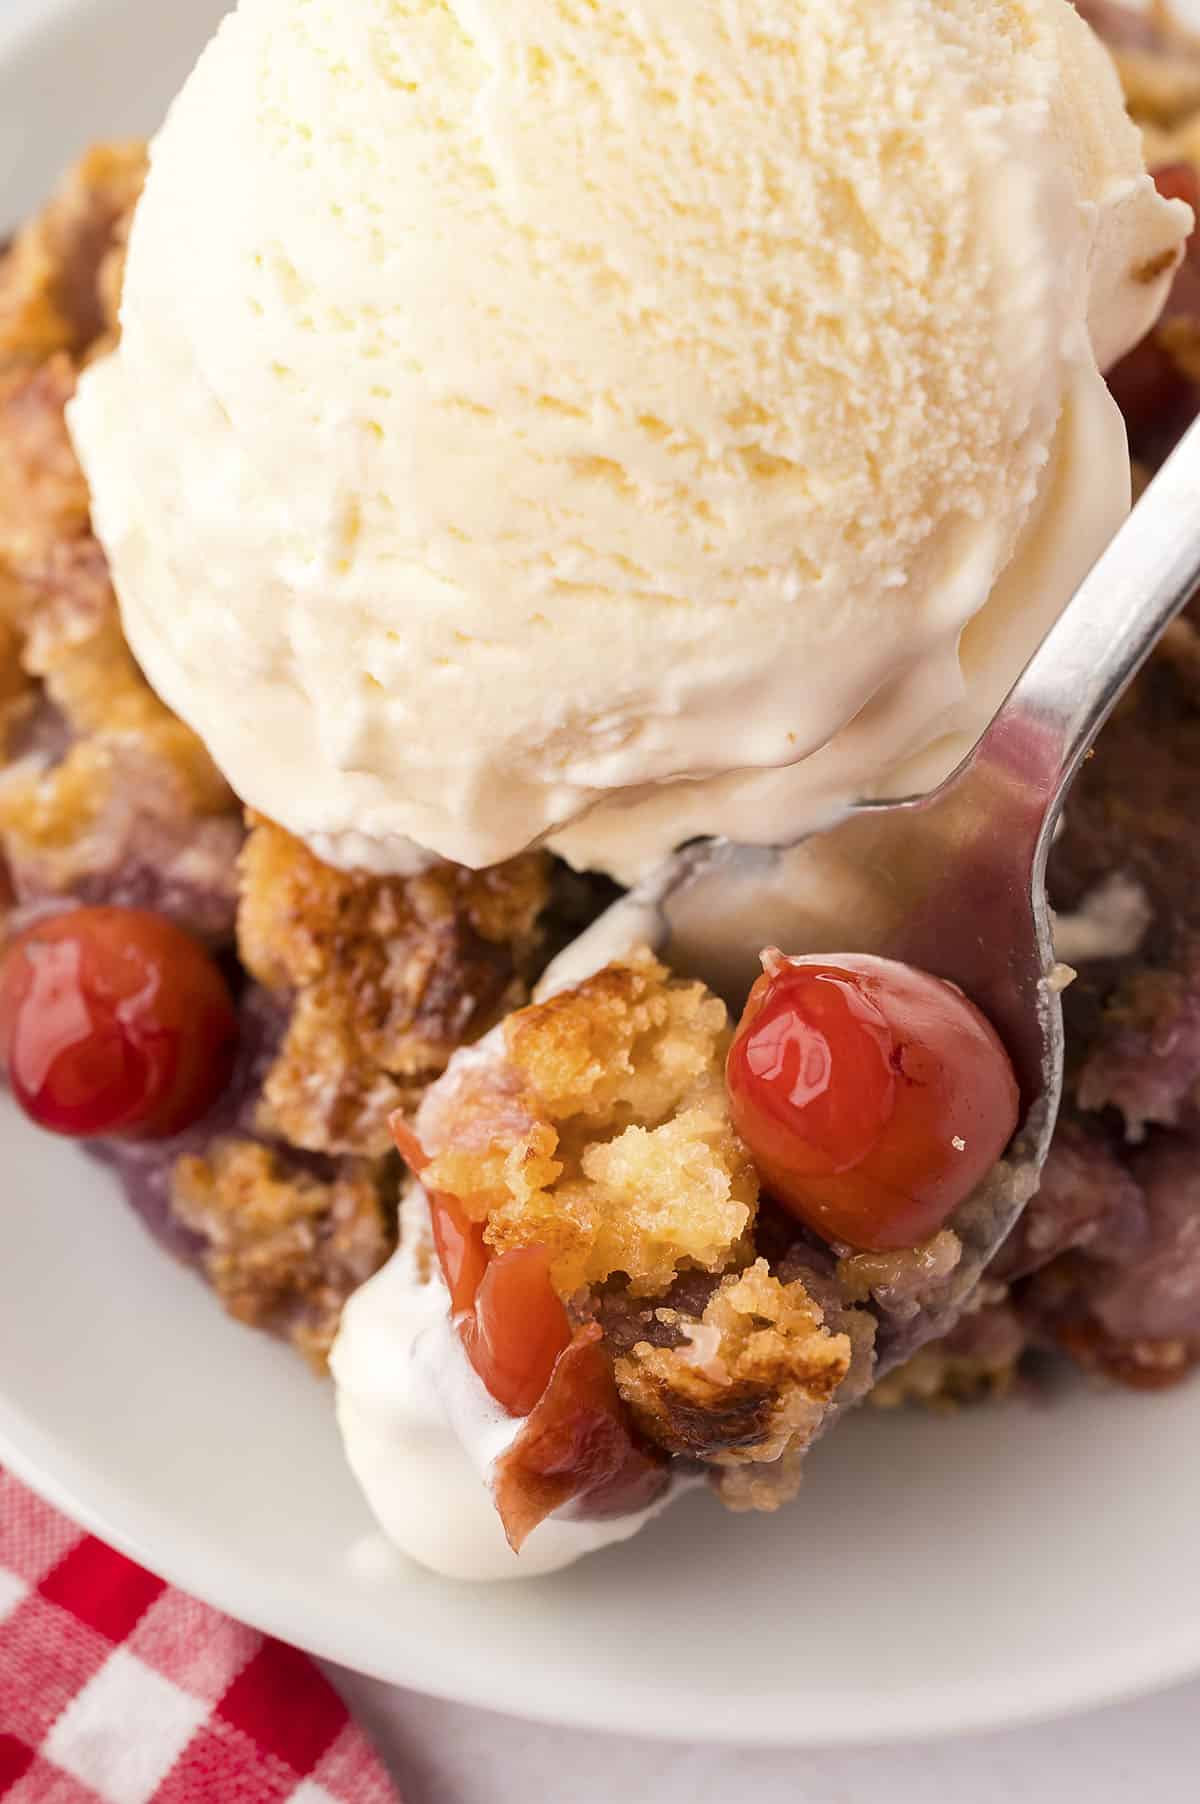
{"type": "Point", "coordinates": [600, 423]}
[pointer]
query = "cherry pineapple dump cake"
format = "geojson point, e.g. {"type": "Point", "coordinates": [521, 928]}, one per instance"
{"type": "Point", "coordinates": [632, 1272]}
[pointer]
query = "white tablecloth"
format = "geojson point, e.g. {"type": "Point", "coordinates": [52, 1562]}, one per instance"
{"type": "Point", "coordinates": [1141, 1753]}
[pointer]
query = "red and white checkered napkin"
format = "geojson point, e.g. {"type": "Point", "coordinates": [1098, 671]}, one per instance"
{"type": "Point", "coordinates": [117, 1689]}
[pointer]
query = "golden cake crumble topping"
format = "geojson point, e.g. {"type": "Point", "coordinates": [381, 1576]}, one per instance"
{"type": "Point", "coordinates": [385, 977]}
{"type": "Point", "coordinates": [752, 1379]}
{"type": "Point", "coordinates": [95, 761]}
{"type": "Point", "coordinates": [284, 1248]}
{"type": "Point", "coordinates": [601, 1131]}
{"type": "Point", "coordinates": [60, 284]}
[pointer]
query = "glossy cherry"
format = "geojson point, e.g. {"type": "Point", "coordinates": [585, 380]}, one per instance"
{"type": "Point", "coordinates": [518, 1328]}
{"type": "Point", "coordinates": [114, 1021]}
{"type": "Point", "coordinates": [509, 1315]}
{"type": "Point", "coordinates": [462, 1252]}
{"type": "Point", "coordinates": [576, 1442]}
{"type": "Point", "coordinates": [873, 1097]}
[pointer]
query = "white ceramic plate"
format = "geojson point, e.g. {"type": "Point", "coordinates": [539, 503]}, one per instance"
{"type": "Point", "coordinates": [936, 1575]}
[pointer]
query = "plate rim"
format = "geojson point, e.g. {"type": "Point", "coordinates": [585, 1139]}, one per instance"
{"type": "Point", "coordinates": [914, 1715]}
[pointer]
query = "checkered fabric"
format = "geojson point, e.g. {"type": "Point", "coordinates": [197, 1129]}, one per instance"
{"type": "Point", "coordinates": [117, 1689]}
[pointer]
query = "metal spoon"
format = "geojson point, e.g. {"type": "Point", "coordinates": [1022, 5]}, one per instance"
{"type": "Point", "coordinates": [955, 881]}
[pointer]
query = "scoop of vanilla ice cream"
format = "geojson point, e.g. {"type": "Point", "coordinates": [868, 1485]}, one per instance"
{"type": "Point", "coordinates": [601, 423]}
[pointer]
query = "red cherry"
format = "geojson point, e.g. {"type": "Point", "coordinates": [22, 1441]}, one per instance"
{"type": "Point", "coordinates": [407, 1144]}
{"type": "Point", "coordinates": [577, 1447]}
{"type": "Point", "coordinates": [509, 1316]}
{"type": "Point", "coordinates": [873, 1097]}
{"type": "Point", "coordinates": [518, 1330]}
{"type": "Point", "coordinates": [113, 1021]}
{"type": "Point", "coordinates": [461, 1249]}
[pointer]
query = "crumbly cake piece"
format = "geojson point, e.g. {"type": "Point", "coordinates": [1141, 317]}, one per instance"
{"type": "Point", "coordinates": [749, 1383]}
{"type": "Point", "coordinates": [284, 1247]}
{"type": "Point", "coordinates": [44, 507]}
{"type": "Point", "coordinates": [104, 795]}
{"type": "Point", "coordinates": [60, 283]}
{"type": "Point", "coordinates": [385, 977]}
{"type": "Point", "coordinates": [599, 1128]}
{"type": "Point", "coordinates": [283, 1236]}
{"type": "Point", "coordinates": [370, 983]}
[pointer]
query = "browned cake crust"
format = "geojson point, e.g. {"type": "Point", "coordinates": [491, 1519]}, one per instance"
{"type": "Point", "coordinates": [284, 1248]}
{"type": "Point", "coordinates": [98, 775]}
{"type": "Point", "coordinates": [599, 1128]}
{"type": "Point", "coordinates": [747, 1385]}
{"type": "Point", "coordinates": [60, 284]}
{"type": "Point", "coordinates": [385, 977]}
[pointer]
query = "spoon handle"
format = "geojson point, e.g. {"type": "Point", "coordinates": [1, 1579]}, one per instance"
{"type": "Point", "coordinates": [1074, 680]}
